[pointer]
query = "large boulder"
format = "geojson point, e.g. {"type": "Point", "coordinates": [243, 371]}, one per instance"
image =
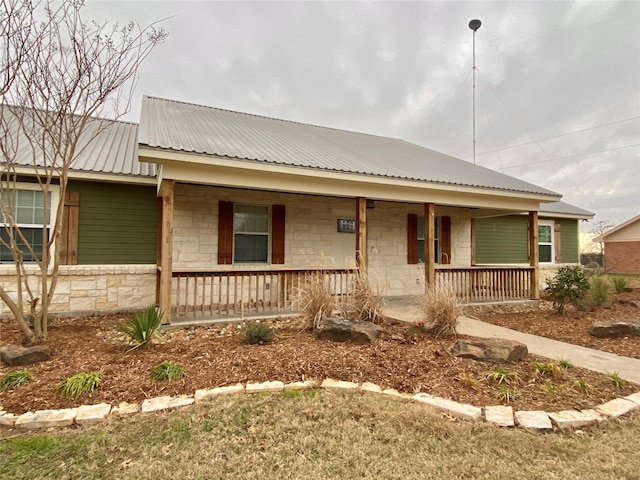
{"type": "Point", "coordinates": [18, 355]}
{"type": "Point", "coordinates": [344, 330]}
{"type": "Point", "coordinates": [489, 349]}
{"type": "Point", "coordinates": [615, 328]}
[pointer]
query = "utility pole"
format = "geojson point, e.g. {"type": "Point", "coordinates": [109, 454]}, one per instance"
{"type": "Point", "coordinates": [474, 25]}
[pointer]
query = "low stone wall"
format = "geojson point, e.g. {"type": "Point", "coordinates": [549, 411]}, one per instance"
{"type": "Point", "coordinates": [83, 289]}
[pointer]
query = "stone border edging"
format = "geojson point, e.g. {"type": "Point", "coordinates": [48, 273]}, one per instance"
{"type": "Point", "coordinates": [500, 415]}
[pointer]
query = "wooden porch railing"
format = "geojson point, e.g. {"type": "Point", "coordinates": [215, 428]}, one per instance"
{"type": "Point", "coordinates": [481, 284]}
{"type": "Point", "coordinates": [217, 293]}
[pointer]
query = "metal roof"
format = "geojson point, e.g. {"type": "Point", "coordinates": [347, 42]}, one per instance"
{"type": "Point", "coordinates": [189, 128]}
{"type": "Point", "coordinates": [562, 208]}
{"type": "Point", "coordinates": [113, 151]}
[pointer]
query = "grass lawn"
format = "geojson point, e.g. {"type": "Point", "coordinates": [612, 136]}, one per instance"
{"type": "Point", "coordinates": [317, 434]}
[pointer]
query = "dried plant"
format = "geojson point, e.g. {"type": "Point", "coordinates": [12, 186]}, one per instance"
{"type": "Point", "coordinates": [366, 303]}
{"type": "Point", "coordinates": [315, 299]}
{"type": "Point", "coordinates": [441, 309]}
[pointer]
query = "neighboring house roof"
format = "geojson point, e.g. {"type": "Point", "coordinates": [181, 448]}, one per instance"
{"type": "Point", "coordinates": [565, 210]}
{"type": "Point", "coordinates": [188, 128]}
{"type": "Point", "coordinates": [615, 230]}
{"type": "Point", "coordinates": [114, 151]}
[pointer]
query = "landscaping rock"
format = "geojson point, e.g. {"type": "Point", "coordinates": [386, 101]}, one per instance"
{"type": "Point", "coordinates": [575, 419]}
{"type": "Point", "coordinates": [500, 415]}
{"type": "Point", "coordinates": [489, 349]}
{"type": "Point", "coordinates": [338, 385]}
{"type": "Point", "coordinates": [615, 328]}
{"type": "Point", "coordinates": [14, 355]}
{"type": "Point", "coordinates": [533, 420]}
{"type": "Point", "coordinates": [210, 394]}
{"type": "Point", "coordinates": [616, 408]}
{"type": "Point", "coordinates": [303, 385]}
{"type": "Point", "coordinates": [92, 413]}
{"type": "Point", "coordinates": [264, 387]}
{"type": "Point", "coordinates": [344, 330]}
{"type": "Point", "coordinates": [164, 403]}
{"type": "Point", "coordinates": [46, 418]}
{"type": "Point", "coordinates": [460, 410]}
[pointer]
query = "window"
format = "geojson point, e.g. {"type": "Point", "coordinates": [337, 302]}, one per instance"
{"type": "Point", "coordinates": [545, 242]}
{"type": "Point", "coordinates": [251, 233]}
{"type": "Point", "coordinates": [416, 239]}
{"type": "Point", "coordinates": [28, 214]}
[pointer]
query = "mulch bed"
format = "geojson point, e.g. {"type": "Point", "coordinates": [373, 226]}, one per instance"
{"type": "Point", "coordinates": [214, 356]}
{"type": "Point", "coordinates": [572, 326]}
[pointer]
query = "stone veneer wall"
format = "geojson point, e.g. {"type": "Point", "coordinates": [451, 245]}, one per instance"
{"type": "Point", "coordinates": [311, 239]}
{"type": "Point", "coordinates": [92, 288]}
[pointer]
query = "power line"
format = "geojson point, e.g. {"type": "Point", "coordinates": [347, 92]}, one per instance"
{"type": "Point", "coordinates": [559, 136]}
{"type": "Point", "coordinates": [571, 156]}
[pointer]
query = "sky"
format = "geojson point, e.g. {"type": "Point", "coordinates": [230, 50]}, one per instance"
{"type": "Point", "coordinates": [557, 83]}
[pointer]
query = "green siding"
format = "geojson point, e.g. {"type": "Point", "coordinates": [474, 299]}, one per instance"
{"type": "Point", "coordinates": [117, 224]}
{"type": "Point", "coordinates": [502, 240]}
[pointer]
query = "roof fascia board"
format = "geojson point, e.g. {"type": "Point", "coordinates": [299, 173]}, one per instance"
{"type": "Point", "coordinates": [182, 162]}
{"type": "Point", "coordinates": [93, 176]}
{"type": "Point", "coordinates": [226, 176]}
{"type": "Point", "coordinates": [600, 238]}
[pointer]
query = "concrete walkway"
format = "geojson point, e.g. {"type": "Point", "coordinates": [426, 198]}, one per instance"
{"type": "Point", "coordinates": [408, 309]}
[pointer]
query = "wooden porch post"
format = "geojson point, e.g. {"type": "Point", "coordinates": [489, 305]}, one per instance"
{"type": "Point", "coordinates": [533, 254]}
{"type": "Point", "coordinates": [361, 232]}
{"type": "Point", "coordinates": [166, 249]}
{"type": "Point", "coordinates": [429, 244]}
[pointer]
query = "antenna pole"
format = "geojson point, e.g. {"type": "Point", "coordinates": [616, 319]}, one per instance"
{"type": "Point", "coordinates": [474, 25]}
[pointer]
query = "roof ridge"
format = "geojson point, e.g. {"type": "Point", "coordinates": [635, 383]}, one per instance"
{"type": "Point", "coordinates": [93, 117]}
{"type": "Point", "coordinates": [151, 97]}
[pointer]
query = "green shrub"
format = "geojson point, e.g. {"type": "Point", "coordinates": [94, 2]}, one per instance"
{"type": "Point", "coordinates": [13, 379]}
{"type": "Point", "coordinates": [599, 291]}
{"type": "Point", "coordinates": [619, 284]}
{"type": "Point", "coordinates": [546, 369]}
{"type": "Point", "coordinates": [582, 386]}
{"type": "Point", "coordinates": [568, 285]}
{"type": "Point", "coordinates": [565, 363]}
{"type": "Point", "coordinates": [507, 394]}
{"type": "Point", "coordinates": [78, 384]}
{"type": "Point", "coordinates": [167, 371]}
{"type": "Point", "coordinates": [142, 327]}
{"type": "Point", "coordinates": [258, 333]}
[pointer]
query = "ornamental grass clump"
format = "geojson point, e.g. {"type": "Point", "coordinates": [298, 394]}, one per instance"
{"type": "Point", "coordinates": [599, 291]}
{"type": "Point", "coordinates": [441, 310]}
{"type": "Point", "coordinates": [315, 300]}
{"type": "Point", "coordinates": [79, 384]}
{"type": "Point", "coordinates": [142, 327]}
{"type": "Point", "coordinates": [366, 303]}
{"type": "Point", "coordinates": [255, 333]}
{"type": "Point", "coordinates": [619, 284]}
{"type": "Point", "coordinates": [167, 370]}
{"type": "Point", "coordinates": [568, 285]}
{"type": "Point", "coordinates": [13, 379]}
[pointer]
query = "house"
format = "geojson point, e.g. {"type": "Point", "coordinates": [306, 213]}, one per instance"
{"type": "Point", "coordinates": [208, 212]}
{"type": "Point", "coordinates": [622, 247]}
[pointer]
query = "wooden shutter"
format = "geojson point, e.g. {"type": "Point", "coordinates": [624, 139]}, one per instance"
{"type": "Point", "coordinates": [556, 243]}
{"type": "Point", "coordinates": [225, 233]}
{"type": "Point", "coordinates": [412, 238]}
{"type": "Point", "coordinates": [69, 237]}
{"type": "Point", "coordinates": [277, 234]}
{"type": "Point", "coordinates": [445, 240]}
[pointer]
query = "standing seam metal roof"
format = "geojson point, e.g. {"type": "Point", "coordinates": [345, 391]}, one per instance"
{"type": "Point", "coordinates": [184, 127]}
{"type": "Point", "coordinates": [113, 151]}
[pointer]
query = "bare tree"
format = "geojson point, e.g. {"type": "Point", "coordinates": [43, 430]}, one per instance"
{"type": "Point", "coordinates": [59, 74]}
